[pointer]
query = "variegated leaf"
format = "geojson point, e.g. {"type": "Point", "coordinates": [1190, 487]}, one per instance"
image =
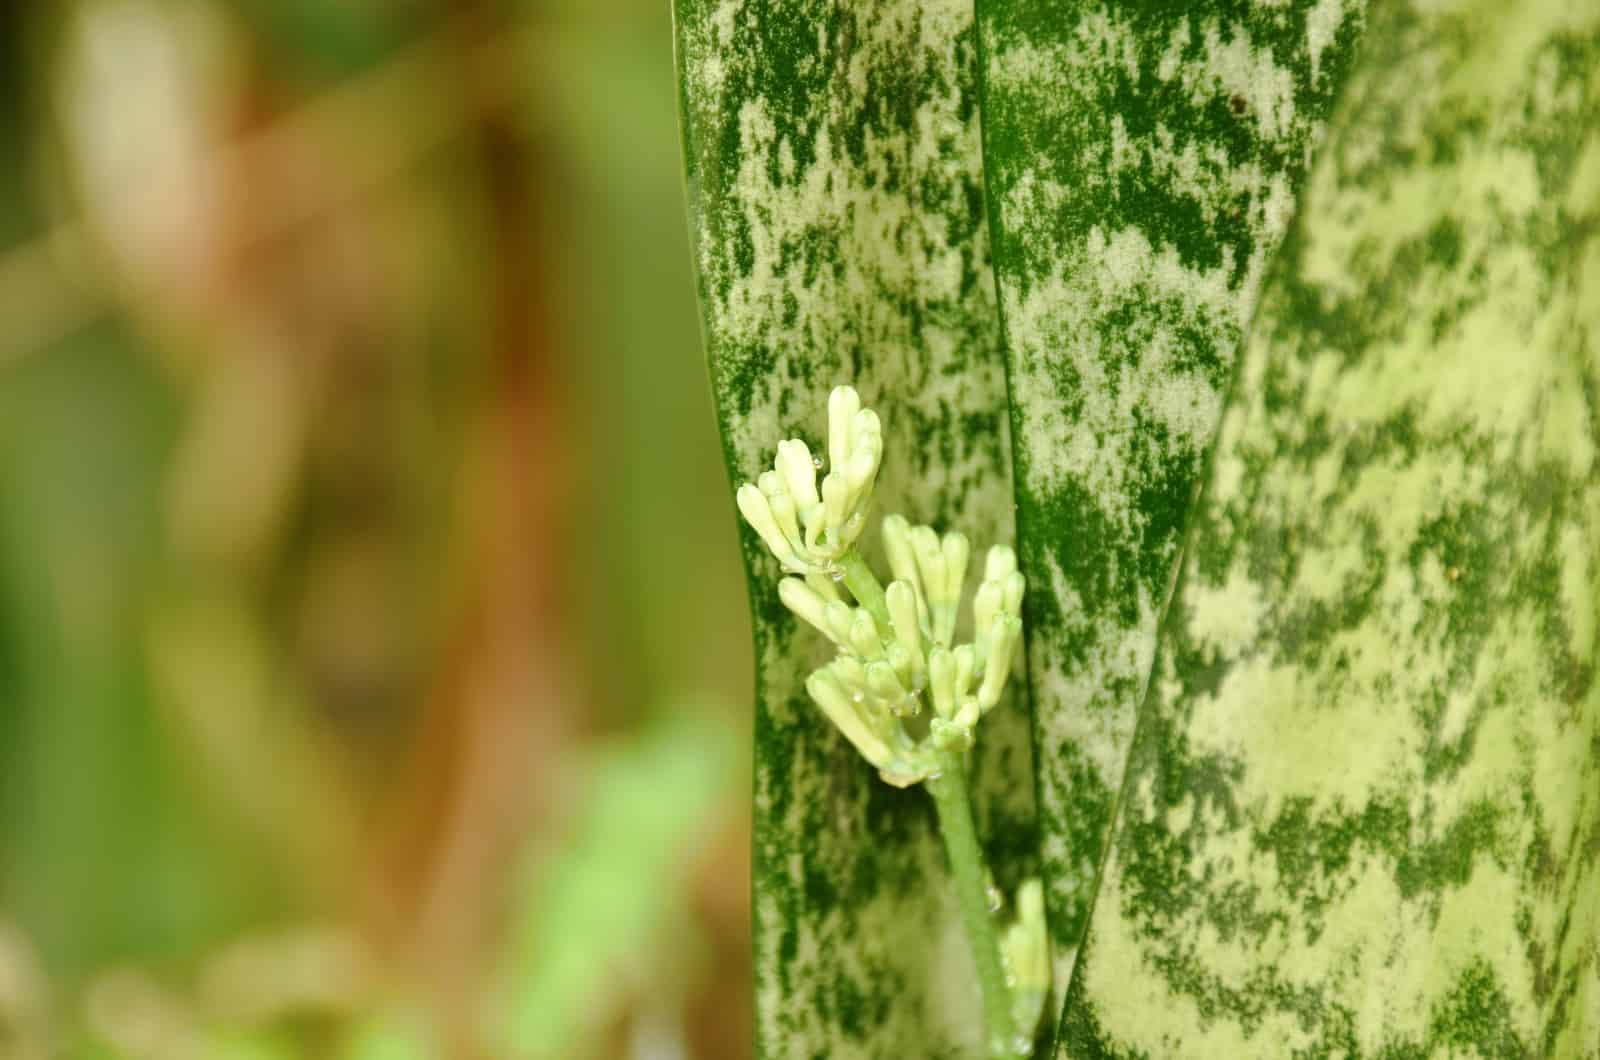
{"type": "Point", "coordinates": [1362, 816]}
{"type": "Point", "coordinates": [1143, 162]}
{"type": "Point", "coordinates": [837, 202]}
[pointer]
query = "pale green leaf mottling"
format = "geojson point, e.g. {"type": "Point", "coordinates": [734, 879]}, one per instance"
{"type": "Point", "coordinates": [1362, 812]}
{"type": "Point", "coordinates": [1143, 162]}
{"type": "Point", "coordinates": [837, 198]}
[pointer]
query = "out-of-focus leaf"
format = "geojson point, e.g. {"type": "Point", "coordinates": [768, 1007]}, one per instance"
{"type": "Point", "coordinates": [1143, 162]}
{"type": "Point", "coordinates": [92, 791]}
{"type": "Point", "coordinates": [837, 211]}
{"type": "Point", "coordinates": [392, 1033]}
{"type": "Point", "coordinates": [604, 901]}
{"type": "Point", "coordinates": [1363, 804]}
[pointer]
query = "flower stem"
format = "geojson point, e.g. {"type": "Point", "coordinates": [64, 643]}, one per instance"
{"type": "Point", "coordinates": [949, 790]}
{"type": "Point", "coordinates": [863, 585]}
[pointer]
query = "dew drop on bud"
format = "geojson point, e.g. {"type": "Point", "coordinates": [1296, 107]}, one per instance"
{"type": "Point", "coordinates": [996, 899]}
{"type": "Point", "coordinates": [816, 462]}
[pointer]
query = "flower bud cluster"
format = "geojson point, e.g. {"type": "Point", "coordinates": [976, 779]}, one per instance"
{"type": "Point", "coordinates": [807, 529]}
{"type": "Point", "coordinates": [889, 663]}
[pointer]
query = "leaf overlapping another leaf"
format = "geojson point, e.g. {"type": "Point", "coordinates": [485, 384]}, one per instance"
{"type": "Point", "coordinates": [1143, 162]}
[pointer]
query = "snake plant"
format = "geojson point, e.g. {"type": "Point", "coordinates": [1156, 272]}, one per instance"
{"type": "Point", "coordinates": [1265, 333]}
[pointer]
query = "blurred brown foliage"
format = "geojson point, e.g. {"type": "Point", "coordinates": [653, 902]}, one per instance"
{"type": "Point", "coordinates": [363, 541]}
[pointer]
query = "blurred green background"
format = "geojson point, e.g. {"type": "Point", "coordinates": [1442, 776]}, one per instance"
{"type": "Point", "coordinates": [374, 664]}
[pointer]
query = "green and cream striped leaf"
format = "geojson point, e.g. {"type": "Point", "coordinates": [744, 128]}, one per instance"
{"type": "Point", "coordinates": [1143, 162]}
{"type": "Point", "coordinates": [836, 194]}
{"type": "Point", "coordinates": [1362, 813]}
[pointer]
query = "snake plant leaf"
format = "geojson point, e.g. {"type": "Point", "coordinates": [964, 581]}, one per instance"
{"type": "Point", "coordinates": [836, 197]}
{"type": "Point", "coordinates": [1143, 161]}
{"type": "Point", "coordinates": [1362, 812]}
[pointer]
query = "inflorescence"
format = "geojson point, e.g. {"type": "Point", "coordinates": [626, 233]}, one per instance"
{"type": "Point", "coordinates": [809, 531]}
{"type": "Point", "coordinates": [888, 662]}
{"type": "Point", "coordinates": [895, 648]}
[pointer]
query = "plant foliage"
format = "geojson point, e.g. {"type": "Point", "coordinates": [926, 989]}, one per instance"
{"type": "Point", "coordinates": [1354, 812]}
{"type": "Point", "coordinates": [1364, 805]}
{"type": "Point", "coordinates": [837, 200]}
{"type": "Point", "coordinates": [1143, 162]}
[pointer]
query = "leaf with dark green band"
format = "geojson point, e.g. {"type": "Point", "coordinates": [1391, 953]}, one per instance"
{"type": "Point", "coordinates": [1362, 814]}
{"type": "Point", "coordinates": [837, 202]}
{"type": "Point", "coordinates": [1143, 162]}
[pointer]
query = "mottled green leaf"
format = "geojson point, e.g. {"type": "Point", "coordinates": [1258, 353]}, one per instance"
{"type": "Point", "coordinates": [1143, 162]}
{"type": "Point", "coordinates": [837, 200]}
{"type": "Point", "coordinates": [1362, 815]}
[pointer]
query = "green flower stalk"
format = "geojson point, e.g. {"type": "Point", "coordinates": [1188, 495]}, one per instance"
{"type": "Point", "coordinates": [896, 654]}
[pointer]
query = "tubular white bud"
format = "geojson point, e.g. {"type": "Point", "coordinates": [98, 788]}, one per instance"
{"type": "Point", "coordinates": [843, 404]}
{"type": "Point", "coordinates": [883, 684]}
{"type": "Point", "coordinates": [986, 607]}
{"type": "Point", "coordinates": [930, 565]}
{"type": "Point", "coordinates": [815, 522]}
{"type": "Point", "coordinates": [902, 603]}
{"type": "Point", "coordinates": [997, 667]}
{"type": "Point", "coordinates": [851, 674]}
{"type": "Point", "coordinates": [852, 527]}
{"type": "Point", "coordinates": [930, 560]}
{"type": "Point", "coordinates": [864, 638]}
{"type": "Point", "coordinates": [969, 713]}
{"type": "Point", "coordinates": [866, 428]}
{"type": "Point", "coordinates": [861, 471]}
{"type": "Point", "coordinates": [866, 451]}
{"type": "Point", "coordinates": [1000, 562]}
{"type": "Point", "coordinates": [953, 554]}
{"type": "Point", "coordinates": [942, 681]}
{"type": "Point", "coordinates": [805, 602]}
{"type": "Point", "coordinates": [838, 704]}
{"type": "Point", "coordinates": [799, 473]}
{"type": "Point", "coordinates": [1015, 584]}
{"type": "Point", "coordinates": [839, 616]}
{"type": "Point", "coordinates": [823, 586]}
{"type": "Point", "coordinates": [835, 499]}
{"type": "Point", "coordinates": [783, 511]}
{"type": "Point", "coordinates": [897, 545]}
{"type": "Point", "coordinates": [908, 668]}
{"type": "Point", "coordinates": [957, 551]}
{"type": "Point", "coordinates": [903, 562]}
{"type": "Point", "coordinates": [757, 512]}
{"type": "Point", "coordinates": [966, 666]}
